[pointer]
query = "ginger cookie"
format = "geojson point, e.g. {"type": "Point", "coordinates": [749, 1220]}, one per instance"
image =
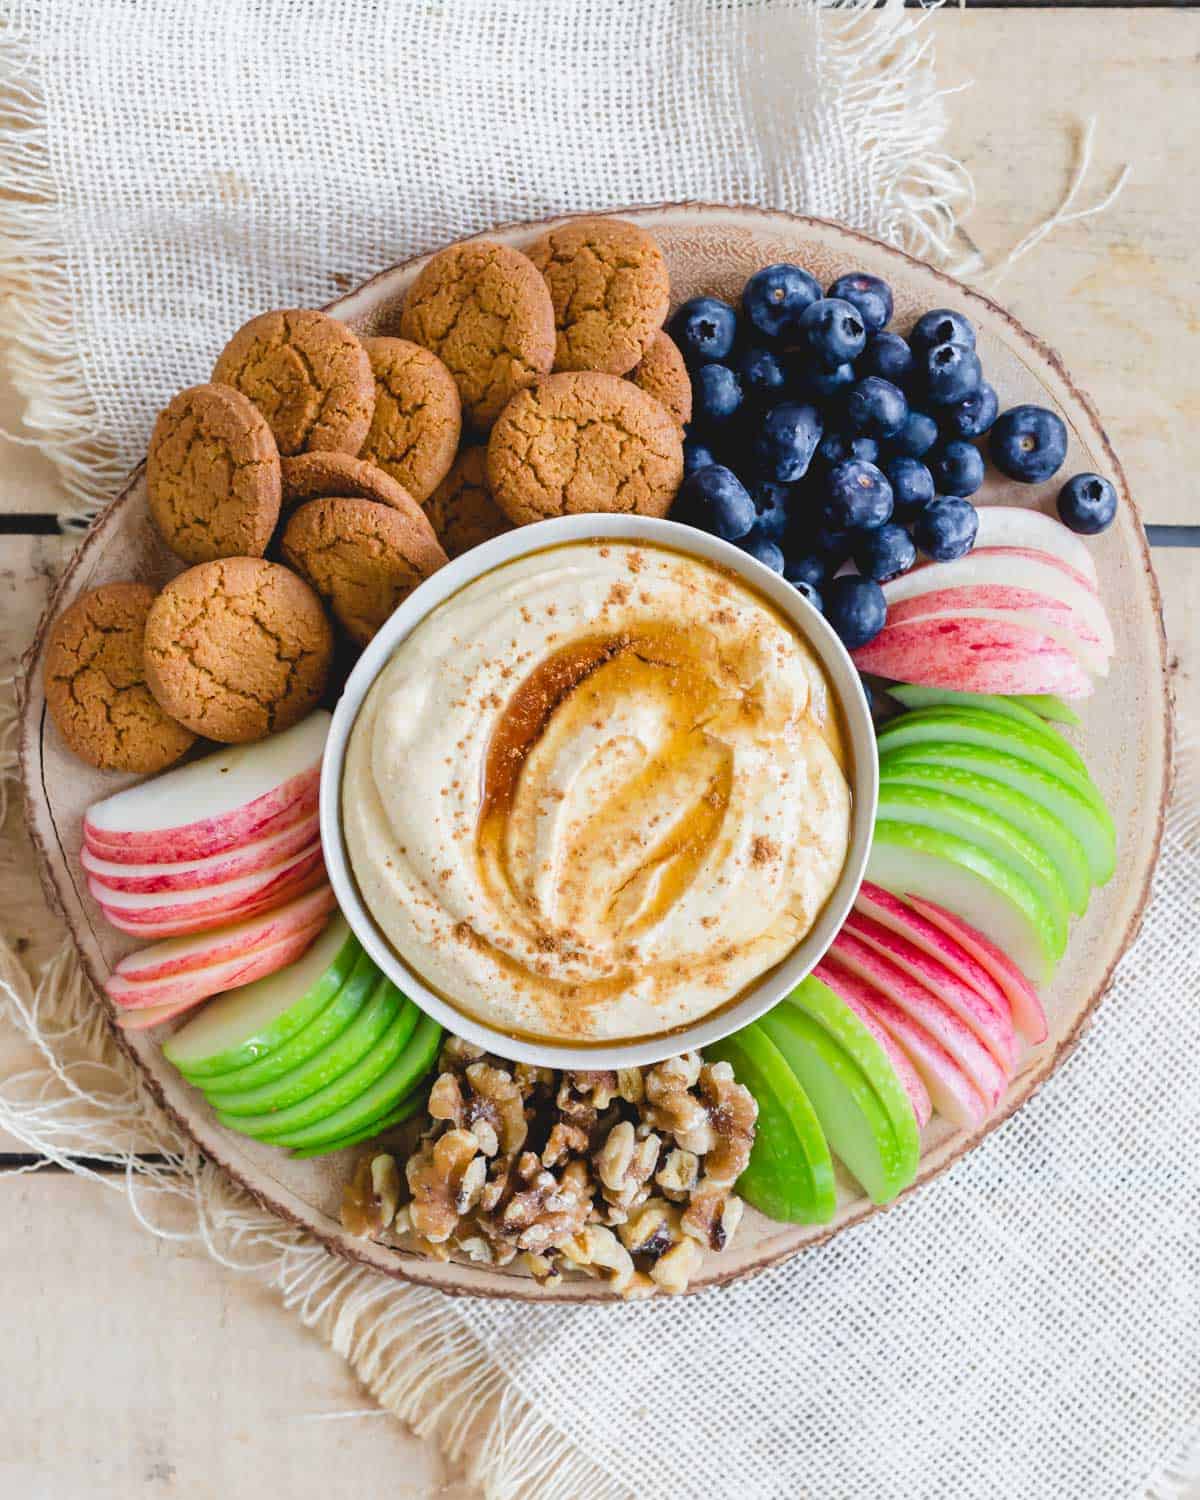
{"type": "Point", "coordinates": [96, 684]}
{"type": "Point", "coordinates": [362, 557]}
{"type": "Point", "coordinates": [663, 375]}
{"type": "Point", "coordinates": [212, 475]}
{"type": "Point", "coordinates": [584, 441]}
{"type": "Point", "coordinates": [418, 415]}
{"type": "Point", "coordinates": [308, 375]}
{"type": "Point", "coordinates": [312, 476]}
{"type": "Point", "coordinates": [610, 288]}
{"type": "Point", "coordinates": [486, 313]}
{"type": "Point", "coordinates": [461, 509]}
{"type": "Point", "coordinates": [237, 649]}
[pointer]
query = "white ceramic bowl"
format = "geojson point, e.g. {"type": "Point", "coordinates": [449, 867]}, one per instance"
{"type": "Point", "coordinates": [776, 982]}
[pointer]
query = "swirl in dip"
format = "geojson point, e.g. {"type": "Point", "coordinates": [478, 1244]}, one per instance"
{"type": "Point", "coordinates": [596, 793]}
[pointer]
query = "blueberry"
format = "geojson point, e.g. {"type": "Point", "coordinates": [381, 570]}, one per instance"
{"type": "Point", "coordinates": [857, 496]}
{"type": "Point", "coordinates": [832, 545]}
{"type": "Point", "coordinates": [876, 407]}
{"type": "Point", "coordinates": [916, 437]}
{"type": "Point", "coordinates": [716, 500]}
{"type": "Point", "coordinates": [946, 528]}
{"type": "Point", "coordinates": [818, 384]}
{"type": "Point", "coordinates": [1087, 503]}
{"type": "Point", "coordinates": [764, 549]}
{"type": "Point", "coordinates": [716, 395]}
{"type": "Point", "coordinates": [856, 609]}
{"type": "Point", "coordinates": [872, 297]}
{"type": "Point", "coordinates": [808, 591]}
{"type": "Point", "coordinates": [952, 372]}
{"type": "Point", "coordinates": [957, 468]}
{"type": "Point", "coordinates": [786, 441]}
{"type": "Point", "coordinates": [942, 325]}
{"type": "Point", "coordinates": [888, 355]}
{"type": "Point", "coordinates": [1028, 443]}
{"type": "Point", "coordinates": [836, 447]}
{"type": "Point", "coordinates": [696, 455]}
{"type": "Point", "coordinates": [763, 373]}
{"type": "Point", "coordinates": [771, 503]}
{"type": "Point", "coordinates": [912, 485]}
{"type": "Point", "coordinates": [833, 331]}
{"type": "Point", "coordinates": [972, 418]}
{"type": "Point", "coordinates": [884, 553]}
{"type": "Point", "coordinates": [775, 297]}
{"type": "Point", "coordinates": [704, 328]}
{"type": "Point", "coordinates": [809, 569]}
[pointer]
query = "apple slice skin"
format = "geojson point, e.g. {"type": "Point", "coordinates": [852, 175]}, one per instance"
{"type": "Point", "coordinates": [153, 1015]}
{"type": "Point", "coordinates": [322, 1031]}
{"type": "Point", "coordinates": [232, 1033]}
{"type": "Point", "coordinates": [1054, 796]}
{"type": "Point", "coordinates": [217, 979]}
{"type": "Point", "coordinates": [790, 1175]}
{"type": "Point", "coordinates": [1028, 1015]}
{"type": "Point", "coordinates": [855, 994]}
{"type": "Point", "coordinates": [210, 921]}
{"type": "Point", "coordinates": [1048, 834]}
{"type": "Point", "coordinates": [197, 874]}
{"type": "Point", "coordinates": [368, 1028]}
{"type": "Point", "coordinates": [1047, 706]}
{"type": "Point", "coordinates": [915, 697]}
{"type": "Point", "coordinates": [923, 807]}
{"type": "Point", "coordinates": [1045, 617]}
{"type": "Point", "coordinates": [1022, 526]}
{"type": "Point", "coordinates": [974, 655]}
{"type": "Point", "coordinates": [401, 1078]}
{"type": "Point", "coordinates": [953, 1094]}
{"type": "Point", "coordinates": [396, 1115]}
{"type": "Point", "coordinates": [225, 895]}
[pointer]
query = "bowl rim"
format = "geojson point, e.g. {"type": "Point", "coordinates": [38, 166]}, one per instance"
{"type": "Point", "coordinates": [766, 991]}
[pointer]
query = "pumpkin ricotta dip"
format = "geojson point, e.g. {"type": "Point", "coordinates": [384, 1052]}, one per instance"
{"type": "Point", "coordinates": [597, 793]}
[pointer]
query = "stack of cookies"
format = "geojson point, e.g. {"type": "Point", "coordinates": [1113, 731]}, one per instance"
{"type": "Point", "coordinates": [321, 475]}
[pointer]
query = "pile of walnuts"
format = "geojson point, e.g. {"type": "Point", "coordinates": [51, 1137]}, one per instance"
{"type": "Point", "coordinates": [624, 1174]}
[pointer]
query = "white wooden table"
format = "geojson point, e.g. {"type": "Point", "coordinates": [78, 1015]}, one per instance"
{"type": "Point", "coordinates": [138, 1368]}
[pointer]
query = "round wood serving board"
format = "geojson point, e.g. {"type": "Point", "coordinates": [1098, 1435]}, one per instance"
{"type": "Point", "coordinates": [1125, 738]}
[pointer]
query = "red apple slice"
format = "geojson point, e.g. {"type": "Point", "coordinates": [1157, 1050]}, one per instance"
{"type": "Point", "coordinates": [238, 794]}
{"type": "Point", "coordinates": [182, 926]}
{"type": "Point", "coordinates": [991, 601]}
{"type": "Point", "coordinates": [1028, 1015]}
{"type": "Point", "coordinates": [200, 984]}
{"type": "Point", "coordinates": [856, 993]}
{"type": "Point", "coordinates": [230, 896]}
{"type": "Point", "coordinates": [1089, 656]}
{"type": "Point", "coordinates": [927, 1010]}
{"type": "Point", "coordinates": [154, 1015]}
{"type": "Point", "coordinates": [196, 874]}
{"type": "Point", "coordinates": [889, 911]}
{"type": "Point", "coordinates": [974, 656]}
{"type": "Point", "coordinates": [992, 1024]}
{"type": "Point", "coordinates": [199, 951]}
{"type": "Point", "coordinates": [1019, 526]}
{"type": "Point", "coordinates": [951, 1091]}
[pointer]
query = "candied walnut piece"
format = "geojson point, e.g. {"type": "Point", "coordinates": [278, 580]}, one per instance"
{"type": "Point", "coordinates": [445, 1180]}
{"type": "Point", "coordinates": [581, 1096]}
{"type": "Point", "coordinates": [713, 1215]}
{"type": "Point", "coordinates": [673, 1108]}
{"type": "Point", "coordinates": [457, 1055]}
{"type": "Point", "coordinates": [542, 1210]}
{"type": "Point", "coordinates": [484, 1101]}
{"type": "Point", "coordinates": [563, 1141]}
{"type": "Point", "coordinates": [370, 1198]}
{"type": "Point", "coordinates": [597, 1248]}
{"type": "Point", "coordinates": [651, 1230]}
{"type": "Point", "coordinates": [732, 1112]}
{"type": "Point", "coordinates": [631, 1086]}
{"type": "Point", "coordinates": [672, 1271]}
{"type": "Point", "coordinates": [625, 1164]}
{"type": "Point", "coordinates": [679, 1174]}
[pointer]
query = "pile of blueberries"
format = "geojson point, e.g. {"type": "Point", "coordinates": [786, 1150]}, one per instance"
{"type": "Point", "coordinates": [817, 437]}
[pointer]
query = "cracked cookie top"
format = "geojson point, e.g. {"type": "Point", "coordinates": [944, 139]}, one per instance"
{"type": "Point", "coordinates": [212, 475]}
{"type": "Point", "coordinates": [96, 685]}
{"type": "Point", "coordinates": [362, 557]}
{"type": "Point", "coordinates": [584, 441]}
{"type": "Point", "coordinates": [237, 649]}
{"type": "Point", "coordinates": [663, 375]}
{"type": "Point", "coordinates": [418, 415]}
{"type": "Point", "coordinates": [485, 311]}
{"type": "Point", "coordinates": [461, 509]}
{"type": "Point", "coordinates": [311, 476]}
{"type": "Point", "coordinates": [308, 375]}
{"type": "Point", "coordinates": [610, 288]}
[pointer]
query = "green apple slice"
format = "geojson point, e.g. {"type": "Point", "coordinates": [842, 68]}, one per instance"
{"type": "Point", "coordinates": [915, 696]}
{"type": "Point", "coordinates": [246, 1024]}
{"type": "Point", "coordinates": [855, 1123]}
{"type": "Point", "coordinates": [829, 1010]}
{"type": "Point", "coordinates": [345, 1087]}
{"type": "Point", "coordinates": [373, 1022]}
{"type": "Point", "coordinates": [395, 1115]}
{"type": "Point", "coordinates": [1048, 833]}
{"type": "Point", "coordinates": [934, 808]}
{"type": "Point", "coordinates": [320, 1033]}
{"type": "Point", "coordinates": [1049, 791]}
{"type": "Point", "coordinates": [401, 1077]}
{"type": "Point", "coordinates": [1047, 706]}
{"type": "Point", "coordinates": [906, 859]}
{"type": "Point", "coordinates": [790, 1175]}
